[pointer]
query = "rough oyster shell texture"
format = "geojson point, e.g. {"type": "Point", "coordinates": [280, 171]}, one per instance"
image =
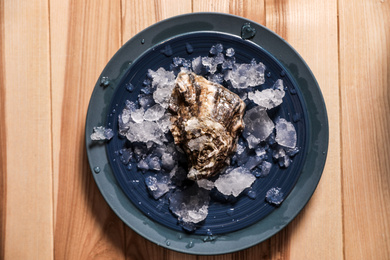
{"type": "Point", "coordinates": [206, 122]}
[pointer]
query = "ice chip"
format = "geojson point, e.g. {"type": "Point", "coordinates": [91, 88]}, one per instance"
{"type": "Point", "coordinates": [157, 187]}
{"type": "Point", "coordinates": [205, 184]}
{"type": "Point", "coordinates": [167, 161]}
{"type": "Point", "coordinates": [164, 82]}
{"type": "Point", "coordinates": [154, 113]}
{"type": "Point", "coordinates": [265, 168]}
{"type": "Point", "coordinates": [190, 205]}
{"type": "Point", "coordinates": [210, 64]}
{"type": "Point", "coordinates": [197, 65]}
{"type": "Point", "coordinates": [215, 49]}
{"type": "Point", "coordinates": [246, 75]}
{"type": "Point", "coordinates": [252, 162]}
{"type": "Point", "coordinates": [101, 133]}
{"type": "Point", "coordinates": [138, 115]}
{"type": "Point", "coordinates": [286, 135]}
{"type": "Point", "coordinates": [274, 196]}
{"type": "Point", "coordinates": [230, 52]}
{"type": "Point", "coordinates": [268, 98]}
{"type": "Point", "coordinates": [234, 182]}
{"type": "Point", "coordinates": [258, 126]}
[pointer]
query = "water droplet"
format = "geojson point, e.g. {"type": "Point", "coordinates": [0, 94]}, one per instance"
{"type": "Point", "coordinates": [293, 91]}
{"type": "Point", "coordinates": [190, 244]}
{"type": "Point", "coordinates": [247, 31]}
{"type": "Point", "coordinates": [96, 169]}
{"type": "Point", "coordinates": [129, 87]}
{"type": "Point", "coordinates": [168, 243]}
{"type": "Point", "coordinates": [282, 73]}
{"type": "Point", "coordinates": [252, 194]}
{"type": "Point", "coordinates": [179, 236]}
{"type": "Point", "coordinates": [113, 111]}
{"type": "Point", "coordinates": [139, 203]}
{"type": "Point", "coordinates": [167, 51]}
{"type": "Point", "coordinates": [269, 74]}
{"type": "Point", "coordinates": [114, 160]}
{"type": "Point", "coordinates": [296, 117]}
{"type": "Point", "coordinates": [189, 48]}
{"type": "Point", "coordinates": [230, 211]}
{"type": "Point", "coordinates": [142, 41]}
{"type": "Point", "coordinates": [323, 153]}
{"type": "Point", "coordinates": [104, 81]}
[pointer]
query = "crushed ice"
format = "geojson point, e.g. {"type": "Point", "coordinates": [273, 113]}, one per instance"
{"type": "Point", "coordinates": [101, 133]}
{"type": "Point", "coordinates": [145, 123]}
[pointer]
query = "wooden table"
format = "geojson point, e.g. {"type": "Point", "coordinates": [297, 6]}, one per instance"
{"type": "Point", "coordinates": [51, 54]}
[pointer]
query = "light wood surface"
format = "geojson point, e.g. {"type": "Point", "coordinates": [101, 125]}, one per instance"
{"type": "Point", "coordinates": [51, 55]}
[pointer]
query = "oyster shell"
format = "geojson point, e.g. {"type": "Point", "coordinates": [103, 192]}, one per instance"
{"type": "Point", "coordinates": [206, 122]}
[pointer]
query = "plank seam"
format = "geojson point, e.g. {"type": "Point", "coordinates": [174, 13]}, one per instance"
{"type": "Point", "coordinates": [51, 127]}
{"type": "Point", "coordinates": [341, 128]}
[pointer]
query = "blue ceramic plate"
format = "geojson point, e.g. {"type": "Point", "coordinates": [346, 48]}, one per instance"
{"type": "Point", "coordinates": [253, 220]}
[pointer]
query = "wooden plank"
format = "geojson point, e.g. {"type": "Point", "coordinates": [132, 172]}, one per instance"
{"type": "Point", "coordinates": [253, 10]}
{"type": "Point", "coordinates": [136, 16]}
{"type": "Point", "coordinates": [84, 36]}
{"type": "Point", "coordinates": [3, 137]}
{"type": "Point", "coordinates": [310, 27]}
{"type": "Point", "coordinates": [25, 98]}
{"type": "Point", "coordinates": [364, 80]}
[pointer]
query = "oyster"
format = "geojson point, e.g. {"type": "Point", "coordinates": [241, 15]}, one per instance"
{"type": "Point", "coordinates": [206, 122]}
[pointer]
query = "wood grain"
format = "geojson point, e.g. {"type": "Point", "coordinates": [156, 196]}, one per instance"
{"type": "Point", "coordinates": [365, 79]}
{"type": "Point", "coordinates": [85, 227]}
{"type": "Point", "coordinates": [3, 137]}
{"type": "Point", "coordinates": [27, 122]}
{"type": "Point", "coordinates": [310, 27]}
{"type": "Point", "coordinates": [253, 10]}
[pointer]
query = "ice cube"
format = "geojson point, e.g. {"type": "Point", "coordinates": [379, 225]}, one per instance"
{"type": "Point", "coordinates": [138, 115]}
{"type": "Point", "coordinates": [190, 205]}
{"type": "Point", "coordinates": [286, 135]}
{"type": "Point", "coordinates": [281, 157]}
{"type": "Point", "coordinates": [246, 75]}
{"type": "Point", "coordinates": [215, 49]}
{"type": "Point", "coordinates": [205, 184]}
{"type": "Point", "coordinates": [252, 162]}
{"type": "Point", "coordinates": [167, 161]}
{"type": "Point", "coordinates": [265, 168]}
{"type": "Point", "coordinates": [157, 186]}
{"type": "Point", "coordinates": [145, 132]}
{"type": "Point", "coordinates": [154, 113]}
{"type": "Point", "coordinates": [143, 165]}
{"type": "Point", "coordinates": [164, 122]}
{"type": "Point", "coordinates": [274, 196]}
{"type": "Point", "coordinates": [210, 64]}
{"type": "Point", "coordinates": [234, 182]}
{"type": "Point", "coordinates": [268, 98]}
{"type": "Point", "coordinates": [145, 100]}
{"type": "Point", "coordinates": [101, 133]}
{"type": "Point", "coordinates": [164, 82]}
{"type": "Point", "coordinates": [230, 52]}
{"type": "Point", "coordinates": [258, 126]}
{"type": "Point", "coordinates": [154, 163]}
{"type": "Point", "coordinates": [197, 65]}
